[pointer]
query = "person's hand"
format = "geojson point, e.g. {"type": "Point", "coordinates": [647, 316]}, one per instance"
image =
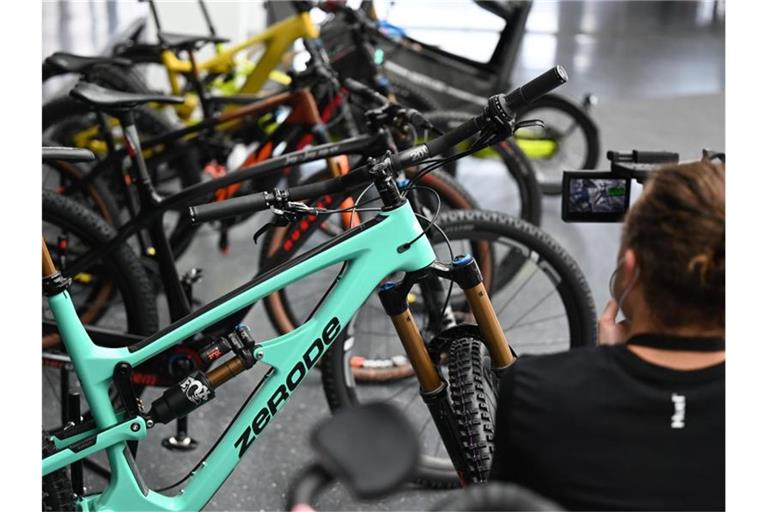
{"type": "Point", "coordinates": [609, 332]}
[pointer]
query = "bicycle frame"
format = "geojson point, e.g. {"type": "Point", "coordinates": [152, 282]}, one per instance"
{"type": "Point", "coordinates": [370, 251]}
{"type": "Point", "coordinates": [304, 111]}
{"type": "Point", "coordinates": [277, 39]}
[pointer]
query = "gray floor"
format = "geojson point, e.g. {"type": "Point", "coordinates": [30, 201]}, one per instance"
{"type": "Point", "coordinates": [660, 78]}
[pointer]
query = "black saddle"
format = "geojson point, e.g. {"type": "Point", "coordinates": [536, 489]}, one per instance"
{"type": "Point", "coordinates": [373, 448]}
{"type": "Point", "coordinates": [67, 154]}
{"type": "Point", "coordinates": [61, 63]}
{"type": "Point", "coordinates": [109, 99]}
{"type": "Point", "coordinates": [186, 41]}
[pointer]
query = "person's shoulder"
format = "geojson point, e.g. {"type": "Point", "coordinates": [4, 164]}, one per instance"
{"type": "Point", "coordinates": [561, 370]}
{"type": "Point", "coordinates": [581, 356]}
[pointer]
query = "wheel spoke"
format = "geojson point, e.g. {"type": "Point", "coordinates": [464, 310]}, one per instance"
{"type": "Point", "coordinates": [534, 306]}
{"type": "Point", "coordinates": [530, 269]}
{"type": "Point", "coordinates": [518, 325]}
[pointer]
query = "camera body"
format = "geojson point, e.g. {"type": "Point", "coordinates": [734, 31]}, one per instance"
{"type": "Point", "coordinates": [603, 196]}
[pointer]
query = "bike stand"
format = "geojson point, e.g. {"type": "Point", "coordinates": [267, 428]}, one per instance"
{"type": "Point", "coordinates": [181, 442]}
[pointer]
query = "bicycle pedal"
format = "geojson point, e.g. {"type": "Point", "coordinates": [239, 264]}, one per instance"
{"type": "Point", "coordinates": [184, 444]}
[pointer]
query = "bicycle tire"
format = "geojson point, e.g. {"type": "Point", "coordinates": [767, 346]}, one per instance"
{"type": "Point", "coordinates": [61, 112]}
{"type": "Point", "coordinates": [338, 382]}
{"type": "Point", "coordinates": [474, 389]}
{"type": "Point", "coordinates": [409, 96]}
{"type": "Point", "coordinates": [584, 123]}
{"type": "Point", "coordinates": [95, 194]}
{"type": "Point", "coordinates": [123, 265]}
{"type": "Point", "coordinates": [518, 167]}
{"type": "Point", "coordinates": [120, 78]}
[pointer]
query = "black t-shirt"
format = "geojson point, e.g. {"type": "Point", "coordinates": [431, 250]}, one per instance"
{"type": "Point", "coordinates": [601, 429]}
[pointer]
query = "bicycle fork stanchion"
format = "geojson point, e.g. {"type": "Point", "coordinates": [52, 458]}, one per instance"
{"type": "Point", "coordinates": [465, 272]}
{"type": "Point", "coordinates": [434, 390]}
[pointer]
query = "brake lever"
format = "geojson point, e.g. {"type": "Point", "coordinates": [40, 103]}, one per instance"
{"type": "Point", "coordinates": [528, 123]}
{"type": "Point", "coordinates": [285, 216]}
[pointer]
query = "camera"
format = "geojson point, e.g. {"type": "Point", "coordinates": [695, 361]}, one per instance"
{"type": "Point", "coordinates": [603, 196]}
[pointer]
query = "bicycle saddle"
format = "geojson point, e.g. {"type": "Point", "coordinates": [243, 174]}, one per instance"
{"type": "Point", "coordinates": [62, 62]}
{"type": "Point", "coordinates": [67, 154]}
{"type": "Point", "coordinates": [109, 99]}
{"type": "Point", "coordinates": [372, 449]}
{"type": "Point", "coordinates": [184, 41]}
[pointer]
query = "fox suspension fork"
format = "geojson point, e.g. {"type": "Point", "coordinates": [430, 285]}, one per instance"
{"type": "Point", "coordinates": [434, 390]}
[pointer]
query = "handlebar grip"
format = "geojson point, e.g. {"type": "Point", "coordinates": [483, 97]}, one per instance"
{"type": "Point", "coordinates": [366, 92]}
{"type": "Point", "coordinates": [228, 208]}
{"type": "Point", "coordinates": [536, 88]}
{"type": "Point", "coordinates": [654, 157]}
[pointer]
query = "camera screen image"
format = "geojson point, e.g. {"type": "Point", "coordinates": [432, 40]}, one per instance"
{"type": "Point", "coordinates": [597, 195]}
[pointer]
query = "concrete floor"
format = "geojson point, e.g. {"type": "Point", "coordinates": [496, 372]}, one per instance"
{"type": "Point", "coordinates": [660, 79]}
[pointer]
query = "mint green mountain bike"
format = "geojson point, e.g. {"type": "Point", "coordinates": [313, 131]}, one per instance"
{"type": "Point", "coordinates": [393, 241]}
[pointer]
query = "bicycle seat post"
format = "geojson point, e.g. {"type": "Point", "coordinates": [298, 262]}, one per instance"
{"type": "Point", "coordinates": [148, 197]}
{"type": "Point", "coordinates": [198, 84]}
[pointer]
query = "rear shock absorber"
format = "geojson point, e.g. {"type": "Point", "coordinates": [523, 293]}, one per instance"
{"type": "Point", "coordinates": [198, 388]}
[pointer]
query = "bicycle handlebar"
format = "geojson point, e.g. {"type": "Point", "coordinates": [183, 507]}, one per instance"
{"type": "Point", "coordinates": [263, 200]}
{"type": "Point", "coordinates": [643, 157]}
{"type": "Point", "coordinates": [502, 106]}
{"type": "Point", "coordinates": [513, 101]}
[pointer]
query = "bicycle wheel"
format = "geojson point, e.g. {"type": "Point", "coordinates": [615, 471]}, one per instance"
{"type": "Point", "coordinates": [570, 141]}
{"type": "Point", "coordinates": [474, 389]}
{"type": "Point", "coordinates": [115, 293]}
{"type": "Point", "coordinates": [286, 314]}
{"type": "Point", "coordinates": [172, 168]}
{"type": "Point", "coordinates": [119, 78]}
{"type": "Point", "coordinates": [475, 170]}
{"type": "Point", "coordinates": [540, 296]}
{"type": "Point", "coordinates": [409, 96]}
{"type": "Point", "coordinates": [67, 178]}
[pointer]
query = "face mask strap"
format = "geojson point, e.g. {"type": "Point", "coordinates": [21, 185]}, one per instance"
{"type": "Point", "coordinates": [629, 287]}
{"type": "Point", "coordinates": [625, 293]}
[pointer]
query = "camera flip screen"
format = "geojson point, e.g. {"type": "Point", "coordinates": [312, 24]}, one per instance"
{"type": "Point", "coordinates": [594, 197]}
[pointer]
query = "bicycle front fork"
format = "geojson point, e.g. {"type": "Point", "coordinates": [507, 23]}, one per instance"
{"type": "Point", "coordinates": [463, 270]}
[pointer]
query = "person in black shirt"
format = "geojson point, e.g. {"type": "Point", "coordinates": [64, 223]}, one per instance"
{"type": "Point", "coordinates": [637, 423]}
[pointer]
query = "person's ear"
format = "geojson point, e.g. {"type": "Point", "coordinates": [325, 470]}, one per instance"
{"type": "Point", "coordinates": [629, 265]}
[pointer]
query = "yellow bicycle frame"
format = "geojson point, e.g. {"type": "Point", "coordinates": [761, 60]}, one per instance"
{"type": "Point", "coordinates": [277, 39]}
